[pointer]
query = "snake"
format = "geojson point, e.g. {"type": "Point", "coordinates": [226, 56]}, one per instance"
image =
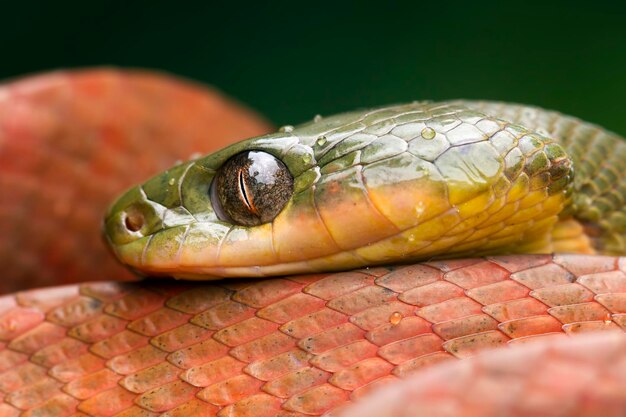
{"type": "Point", "coordinates": [349, 259]}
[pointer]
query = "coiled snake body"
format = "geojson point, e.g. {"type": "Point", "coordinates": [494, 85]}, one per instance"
{"type": "Point", "coordinates": [415, 182]}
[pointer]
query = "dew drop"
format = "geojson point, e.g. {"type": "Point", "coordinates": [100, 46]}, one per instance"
{"type": "Point", "coordinates": [306, 158]}
{"type": "Point", "coordinates": [172, 181]}
{"type": "Point", "coordinates": [608, 318]}
{"type": "Point", "coordinates": [286, 129]}
{"type": "Point", "coordinates": [321, 141]}
{"type": "Point", "coordinates": [411, 238]}
{"type": "Point", "coordinates": [395, 318]}
{"type": "Point", "coordinates": [419, 209]}
{"type": "Point", "coordinates": [428, 133]}
{"type": "Point", "coordinates": [317, 118]}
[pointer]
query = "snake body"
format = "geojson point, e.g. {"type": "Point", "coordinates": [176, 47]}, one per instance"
{"type": "Point", "coordinates": [308, 344]}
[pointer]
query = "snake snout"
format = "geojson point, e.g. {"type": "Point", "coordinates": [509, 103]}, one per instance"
{"type": "Point", "coordinates": [131, 218]}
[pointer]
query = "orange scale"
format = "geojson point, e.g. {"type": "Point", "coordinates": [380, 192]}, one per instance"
{"type": "Point", "coordinates": [313, 323]}
{"type": "Point", "coordinates": [259, 405]}
{"type": "Point", "coordinates": [362, 299]}
{"type": "Point", "coordinates": [230, 390]}
{"type": "Point", "coordinates": [407, 327]}
{"type": "Point", "coordinates": [272, 368]}
{"type": "Point", "coordinates": [99, 328]}
{"type": "Point", "coordinates": [417, 364]}
{"type": "Point", "coordinates": [477, 275]}
{"type": "Point", "coordinates": [498, 292]}
{"type": "Point", "coordinates": [89, 385]}
{"type": "Point", "coordinates": [529, 326]}
{"type": "Point", "coordinates": [294, 306]}
{"type": "Point", "coordinates": [197, 300]}
{"type": "Point", "coordinates": [579, 312]}
{"type": "Point", "coordinates": [604, 282]}
{"type": "Point", "coordinates": [331, 338]}
{"type": "Point", "coordinates": [119, 343]}
{"type": "Point", "coordinates": [64, 350]}
{"type": "Point", "coordinates": [515, 309]}
{"type": "Point", "coordinates": [317, 400]}
{"type": "Point", "coordinates": [223, 315]}
{"type": "Point", "coordinates": [295, 382]}
{"type": "Point", "coordinates": [590, 327]}
{"type": "Point", "coordinates": [407, 349]}
{"type": "Point", "coordinates": [75, 368]}
{"type": "Point", "coordinates": [167, 396]}
{"type": "Point", "coordinates": [361, 373]}
{"type": "Point", "coordinates": [374, 317]}
{"type": "Point", "coordinates": [193, 407]}
{"type": "Point", "coordinates": [158, 321]}
{"type": "Point", "coordinates": [263, 347]}
{"type": "Point", "coordinates": [21, 376]}
{"type": "Point", "coordinates": [563, 294]}
{"type": "Point", "coordinates": [108, 403]}
{"type": "Point", "coordinates": [409, 277]}
{"type": "Point", "coordinates": [465, 346]}
{"type": "Point", "coordinates": [433, 293]}
{"type": "Point", "coordinates": [150, 378]}
{"type": "Point", "coordinates": [464, 326]}
{"type": "Point", "coordinates": [136, 304]}
{"type": "Point", "coordinates": [450, 309]}
{"type": "Point", "coordinates": [267, 292]}
{"type": "Point", "coordinates": [198, 353]}
{"type": "Point", "coordinates": [212, 372]}
{"type": "Point", "coordinates": [341, 357]}
{"type": "Point", "coordinates": [180, 337]}
{"type": "Point", "coordinates": [245, 331]}
{"type": "Point", "coordinates": [136, 360]}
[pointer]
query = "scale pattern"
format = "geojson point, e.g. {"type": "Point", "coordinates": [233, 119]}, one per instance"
{"type": "Point", "coordinates": [293, 346]}
{"type": "Point", "coordinates": [554, 377]}
{"type": "Point", "coordinates": [599, 158]}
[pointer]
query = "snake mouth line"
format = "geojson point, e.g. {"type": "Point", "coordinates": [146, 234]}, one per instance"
{"type": "Point", "coordinates": [351, 257]}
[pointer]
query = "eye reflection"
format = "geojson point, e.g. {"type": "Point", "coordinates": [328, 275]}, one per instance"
{"type": "Point", "coordinates": [251, 188]}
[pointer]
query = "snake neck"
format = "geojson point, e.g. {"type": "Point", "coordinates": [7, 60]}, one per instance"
{"type": "Point", "coordinates": [594, 220]}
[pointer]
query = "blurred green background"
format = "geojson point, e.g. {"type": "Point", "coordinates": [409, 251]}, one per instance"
{"type": "Point", "coordinates": [291, 60]}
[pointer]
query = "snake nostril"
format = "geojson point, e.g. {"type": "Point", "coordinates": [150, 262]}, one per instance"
{"type": "Point", "coordinates": [134, 221]}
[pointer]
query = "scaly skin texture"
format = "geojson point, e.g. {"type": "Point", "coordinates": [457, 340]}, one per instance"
{"type": "Point", "coordinates": [180, 349]}
{"type": "Point", "coordinates": [299, 345]}
{"type": "Point", "coordinates": [599, 157]}
{"type": "Point", "coordinates": [393, 184]}
{"type": "Point", "coordinates": [583, 377]}
{"type": "Point", "coordinates": [71, 141]}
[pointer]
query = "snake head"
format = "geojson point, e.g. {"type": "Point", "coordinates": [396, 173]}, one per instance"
{"type": "Point", "coordinates": [395, 184]}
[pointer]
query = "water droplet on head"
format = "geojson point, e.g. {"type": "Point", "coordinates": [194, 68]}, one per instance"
{"type": "Point", "coordinates": [321, 141]}
{"type": "Point", "coordinates": [395, 318]}
{"type": "Point", "coordinates": [286, 129]}
{"type": "Point", "coordinates": [317, 118]}
{"type": "Point", "coordinates": [428, 133]}
{"type": "Point", "coordinates": [306, 158]}
{"type": "Point", "coordinates": [419, 208]}
{"type": "Point", "coordinates": [172, 181]}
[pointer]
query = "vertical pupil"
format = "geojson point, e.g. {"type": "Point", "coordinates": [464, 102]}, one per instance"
{"type": "Point", "coordinates": [251, 188]}
{"type": "Point", "coordinates": [243, 190]}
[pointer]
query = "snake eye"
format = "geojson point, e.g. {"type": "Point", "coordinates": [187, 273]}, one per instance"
{"type": "Point", "coordinates": [251, 188]}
